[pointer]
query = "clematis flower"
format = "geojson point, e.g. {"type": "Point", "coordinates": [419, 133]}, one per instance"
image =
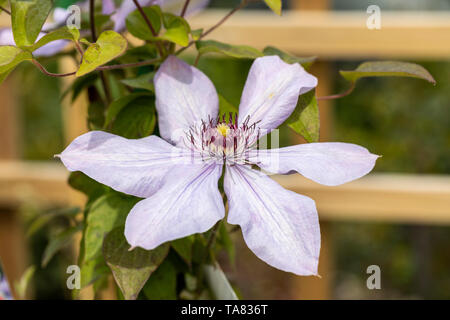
{"type": "Point", "coordinates": [178, 174]}
{"type": "Point", "coordinates": [5, 292]}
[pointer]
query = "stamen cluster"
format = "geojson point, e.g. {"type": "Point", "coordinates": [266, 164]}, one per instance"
{"type": "Point", "coordinates": [223, 139]}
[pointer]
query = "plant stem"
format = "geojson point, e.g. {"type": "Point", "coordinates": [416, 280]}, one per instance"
{"type": "Point", "coordinates": [92, 20]}
{"type": "Point", "coordinates": [149, 24]}
{"type": "Point", "coordinates": [211, 240]}
{"type": "Point", "coordinates": [129, 65]}
{"type": "Point", "coordinates": [183, 11]}
{"type": "Point", "coordinates": [112, 67]}
{"type": "Point", "coordinates": [5, 10]}
{"type": "Point", "coordinates": [103, 76]}
{"type": "Point", "coordinates": [339, 95]}
{"type": "Point", "coordinates": [218, 24]}
{"type": "Point", "coordinates": [51, 74]}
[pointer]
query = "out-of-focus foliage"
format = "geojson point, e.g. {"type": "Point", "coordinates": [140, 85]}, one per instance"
{"type": "Point", "coordinates": [406, 121]}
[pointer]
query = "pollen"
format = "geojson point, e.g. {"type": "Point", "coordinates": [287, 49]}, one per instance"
{"type": "Point", "coordinates": [223, 129]}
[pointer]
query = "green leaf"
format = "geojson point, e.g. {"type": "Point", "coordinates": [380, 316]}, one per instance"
{"type": "Point", "coordinates": [27, 19]}
{"type": "Point", "coordinates": [226, 107]}
{"type": "Point", "coordinates": [306, 62]}
{"type": "Point", "coordinates": [106, 213]}
{"type": "Point", "coordinates": [183, 247]}
{"type": "Point", "coordinates": [305, 118]}
{"type": "Point", "coordinates": [81, 182]}
{"type": "Point", "coordinates": [58, 242]}
{"type": "Point", "coordinates": [162, 284]}
{"type": "Point", "coordinates": [177, 29]}
{"type": "Point", "coordinates": [108, 46]}
{"type": "Point", "coordinates": [143, 81]}
{"type": "Point", "coordinates": [43, 219]}
{"type": "Point", "coordinates": [10, 57]}
{"type": "Point", "coordinates": [246, 52]}
{"type": "Point", "coordinates": [64, 3]}
{"type": "Point", "coordinates": [131, 269]}
{"type": "Point", "coordinates": [274, 5]}
{"type": "Point", "coordinates": [96, 115]}
{"type": "Point", "coordinates": [79, 84]}
{"type": "Point", "coordinates": [59, 34]}
{"type": "Point", "coordinates": [144, 52]}
{"type": "Point", "coordinates": [22, 285]}
{"type": "Point", "coordinates": [137, 26]}
{"type": "Point", "coordinates": [388, 69]}
{"type": "Point", "coordinates": [137, 119]}
{"type": "Point", "coordinates": [92, 271]}
{"type": "Point", "coordinates": [195, 34]}
{"type": "Point", "coordinates": [117, 105]}
{"type": "Point", "coordinates": [218, 283]}
{"type": "Point", "coordinates": [225, 241]}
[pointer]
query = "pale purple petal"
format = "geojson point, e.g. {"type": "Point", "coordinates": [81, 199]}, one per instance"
{"type": "Point", "coordinates": [7, 39]}
{"type": "Point", "coordinates": [108, 7]}
{"type": "Point", "coordinates": [50, 48]}
{"type": "Point", "coordinates": [328, 163]}
{"type": "Point", "coordinates": [188, 203]}
{"type": "Point", "coordinates": [281, 227]}
{"type": "Point", "coordinates": [132, 166]}
{"type": "Point", "coordinates": [184, 97]}
{"type": "Point", "coordinates": [271, 91]}
{"type": "Point", "coordinates": [125, 9]}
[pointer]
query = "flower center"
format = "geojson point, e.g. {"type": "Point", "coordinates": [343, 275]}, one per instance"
{"type": "Point", "coordinates": [223, 139]}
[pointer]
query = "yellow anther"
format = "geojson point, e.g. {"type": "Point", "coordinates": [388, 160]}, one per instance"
{"type": "Point", "coordinates": [223, 129]}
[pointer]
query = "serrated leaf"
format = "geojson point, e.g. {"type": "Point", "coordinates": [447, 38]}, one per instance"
{"type": "Point", "coordinates": [305, 118]}
{"type": "Point", "coordinates": [27, 19]}
{"type": "Point", "coordinates": [138, 27]}
{"type": "Point", "coordinates": [388, 69]}
{"type": "Point", "coordinates": [306, 62]}
{"type": "Point", "coordinates": [162, 284]}
{"type": "Point", "coordinates": [131, 269]}
{"type": "Point", "coordinates": [177, 29]}
{"type": "Point", "coordinates": [183, 247]}
{"type": "Point", "coordinates": [143, 81]}
{"type": "Point", "coordinates": [108, 46]}
{"type": "Point", "coordinates": [58, 242]}
{"type": "Point", "coordinates": [63, 33]}
{"type": "Point", "coordinates": [274, 5]}
{"type": "Point", "coordinates": [235, 51]}
{"type": "Point", "coordinates": [117, 105]}
{"type": "Point", "coordinates": [136, 120]}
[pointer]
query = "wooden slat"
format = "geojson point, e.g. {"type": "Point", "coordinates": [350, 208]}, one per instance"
{"type": "Point", "coordinates": [380, 197]}
{"type": "Point", "coordinates": [401, 198]}
{"type": "Point", "coordinates": [338, 34]}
